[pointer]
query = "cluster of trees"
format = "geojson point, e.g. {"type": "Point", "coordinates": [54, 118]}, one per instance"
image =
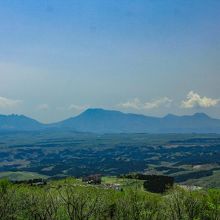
{"type": "Point", "coordinates": [68, 200]}
{"type": "Point", "coordinates": [153, 183]}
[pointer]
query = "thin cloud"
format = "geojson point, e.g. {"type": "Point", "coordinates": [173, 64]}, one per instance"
{"type": "Point", "coordinates": [74, 107]}
{"type": "Point", "coordinates": [195, 100]}
{"type": "Point", "coordinates": [165, 101]}
{"type": "Point", "coordinates": [9, 103]}
{"type": "Point", "coordinates": [138, 105]}
{"type": "Point", "coordinates": [135, 104]}
{"type": "Point", "coordinates": [43, 107]}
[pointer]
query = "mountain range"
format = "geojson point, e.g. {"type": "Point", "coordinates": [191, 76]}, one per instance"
{"type": "Point", "coordinates": [108, 121]}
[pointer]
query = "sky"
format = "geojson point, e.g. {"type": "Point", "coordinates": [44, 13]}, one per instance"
{"type": "Point", "coordinates": [152, 57]}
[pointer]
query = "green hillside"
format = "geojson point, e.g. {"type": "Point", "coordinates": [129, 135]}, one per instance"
{"type": "Point", "coordinates": [18, 176]}
{"type": "Point", "coordinates": [71, 199]}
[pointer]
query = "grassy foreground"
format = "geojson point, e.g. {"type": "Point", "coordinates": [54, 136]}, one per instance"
{"type": "Point", "coordinates": [70, 199]}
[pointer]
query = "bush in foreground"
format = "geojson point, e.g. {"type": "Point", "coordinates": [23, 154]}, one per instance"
{"type": "Point", "coordinates": [70, 200]}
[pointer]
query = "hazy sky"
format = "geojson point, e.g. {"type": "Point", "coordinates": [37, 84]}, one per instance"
{"type": "Point", "coordinates": [58, 57]}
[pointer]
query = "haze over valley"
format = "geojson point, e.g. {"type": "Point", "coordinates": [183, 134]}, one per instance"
{"type": "Point", "coordinates": [109, 110]}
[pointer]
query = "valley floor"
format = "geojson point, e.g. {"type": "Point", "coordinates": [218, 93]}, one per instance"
{"type": "Point", "coordinates": [192, 159]}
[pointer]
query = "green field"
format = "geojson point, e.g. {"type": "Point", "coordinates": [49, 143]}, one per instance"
{"type": "Point", "coordinates": [206, 182]}
{"type": "Point", "coordinates": [19, 176]}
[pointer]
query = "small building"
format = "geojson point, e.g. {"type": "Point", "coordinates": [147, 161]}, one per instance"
{"type": "Point", "coordinates": [93, 179]}
{"type": "Point", "coordinates": [114, 186]}
{"type": "Point", "coordinates": [190, 187]}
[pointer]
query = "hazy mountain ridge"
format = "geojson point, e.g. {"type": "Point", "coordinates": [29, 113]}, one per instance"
{"type": "Point", "coordinates": [19, 123]}
{"type": "Point", "coordinates": [109, 121]}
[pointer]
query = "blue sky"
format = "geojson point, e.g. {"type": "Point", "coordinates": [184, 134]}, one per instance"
{"type": "Point", "coordinates": [59, 57]}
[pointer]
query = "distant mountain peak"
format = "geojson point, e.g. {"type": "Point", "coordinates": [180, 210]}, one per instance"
{"type": "Point", "coordinates": [19, 123]}
{"type": "Point", "coordinates": [99, 111]}
{"type": "Point", "coordinates": [169, 116]}
{"type": "Point", "coordinates": [201, 115]}
{"type": "Point", "coordinates": [198, 115]}
{"type": "Point", "coordinates": [92, 110]}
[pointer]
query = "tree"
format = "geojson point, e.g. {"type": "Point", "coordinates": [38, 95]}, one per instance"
{"type": "Point", "coordinates": [8, 207]}
{"type": "Point", "coordinates": [80, 203]}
